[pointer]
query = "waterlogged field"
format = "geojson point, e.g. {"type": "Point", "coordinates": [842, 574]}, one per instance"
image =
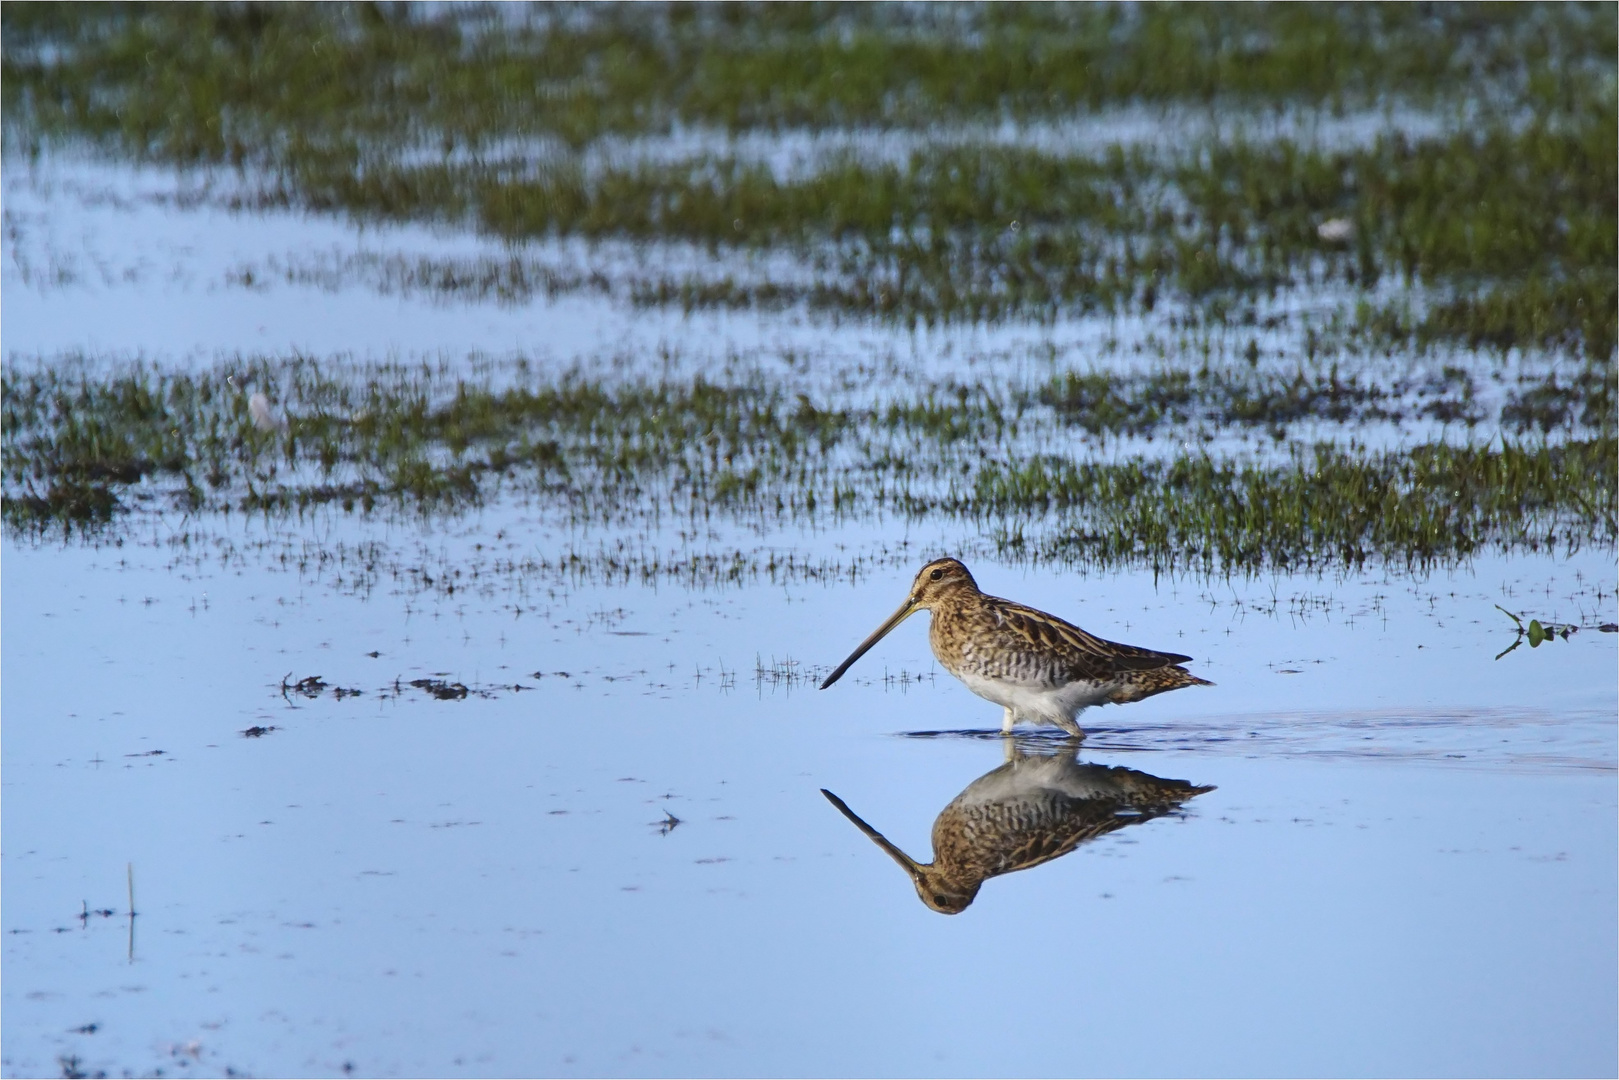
{"type": "Point", "coordinates": [445, 451]}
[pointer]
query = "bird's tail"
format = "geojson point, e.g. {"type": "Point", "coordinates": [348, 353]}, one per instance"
{"type": "Point", "coordinates": [1144, 684]}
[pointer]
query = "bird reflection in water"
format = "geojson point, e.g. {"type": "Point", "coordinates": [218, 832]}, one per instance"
{"type": "Point", "coordinates": [1034, 808]}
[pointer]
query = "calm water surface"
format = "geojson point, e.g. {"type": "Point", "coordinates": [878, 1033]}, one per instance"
{"type": "Point", "coordinates": [612, 855]}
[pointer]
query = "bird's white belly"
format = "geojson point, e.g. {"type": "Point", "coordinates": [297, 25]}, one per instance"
{"type": "Point", "coordinates": [1037, 701]}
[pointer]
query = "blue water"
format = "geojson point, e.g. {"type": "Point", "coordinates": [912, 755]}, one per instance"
{"type": "Point", "coordinates": [1407, 866]}
{"type": "Point", "coordinates": [1414, 877]}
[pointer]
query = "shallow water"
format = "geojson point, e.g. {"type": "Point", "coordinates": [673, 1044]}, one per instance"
{"type": "Point", "coordinates": [1407, 836]}
{"type": "Point", "coordinates": [611, 854]}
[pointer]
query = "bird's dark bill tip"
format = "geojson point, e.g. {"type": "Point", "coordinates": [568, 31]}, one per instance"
{"type": "Point", "coordinates": [837, 672]}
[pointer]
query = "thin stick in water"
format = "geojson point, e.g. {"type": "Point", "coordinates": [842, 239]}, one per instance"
{"type": "Point", "coordinates": [130, 869]}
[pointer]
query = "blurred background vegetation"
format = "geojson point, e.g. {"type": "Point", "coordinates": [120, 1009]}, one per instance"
{"type": "Point", "coordinates": [483, 116]}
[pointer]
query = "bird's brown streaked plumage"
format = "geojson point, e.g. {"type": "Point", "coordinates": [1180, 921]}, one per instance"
{"type": "Point", "coordinates": [1035, 665]}
{"type": "Point", "coordinates": [1028, 811]}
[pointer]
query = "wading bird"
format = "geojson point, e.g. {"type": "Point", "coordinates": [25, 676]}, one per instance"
{"type": "Point", "coordinates": [1039, 668]}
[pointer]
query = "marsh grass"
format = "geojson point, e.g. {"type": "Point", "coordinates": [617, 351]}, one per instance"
{"type": "Point", "coordinates": [1170, 399]}
{"type": "Point", "coordinates": [1513, 223]}
{"type": "Point", "coordinates": [345, 75]}
{"type": "Point", "coordinates": [482, 117]}
{"type": "Point", "coordinates": [1485, 232]}
{"type": "Point", "coordinates": [1431, 504]}
{"type": "Point", "coordinates": [79, 449]}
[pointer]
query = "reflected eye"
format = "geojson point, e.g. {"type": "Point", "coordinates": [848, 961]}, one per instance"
{"type": "Point", "coordinates": [938, 900]}
{"type": "Point", "coordinates": [937, 574]}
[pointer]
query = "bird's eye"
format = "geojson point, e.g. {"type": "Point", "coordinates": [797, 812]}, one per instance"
{"type": "Point", "coordinates": [937, 574]}
{"type": "Point", "coordinates": [937, 899]}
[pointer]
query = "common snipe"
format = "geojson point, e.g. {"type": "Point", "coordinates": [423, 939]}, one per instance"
{"type": "Point", "coordinates": [1038, 667]}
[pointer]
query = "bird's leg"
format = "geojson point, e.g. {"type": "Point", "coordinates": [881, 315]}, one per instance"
{"type": "Point", "coordinates": [1008, 721]}
{"type": "Point", "coordinates": [1068, 725]}
{"type": "Point", "coordinates": [1009, 746]}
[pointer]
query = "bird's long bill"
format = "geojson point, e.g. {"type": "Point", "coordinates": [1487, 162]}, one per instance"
{"type": "Point", "coordinates": [906, 863]}
{"type": "Point", "coordinates": [905, 611]}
